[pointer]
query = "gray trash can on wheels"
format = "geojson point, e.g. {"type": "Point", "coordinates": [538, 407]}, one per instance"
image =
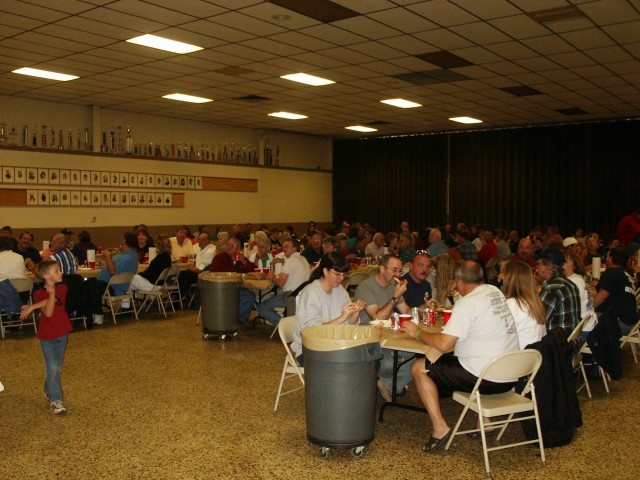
{"type": "Point", "coordinates": [340, 385]}
{"type": "Point", "coordinates": [219, 300]}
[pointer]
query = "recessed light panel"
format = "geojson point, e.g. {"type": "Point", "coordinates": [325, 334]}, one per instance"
{"type": "Point", "coordinates": [287, 115]}
{"type": "Point", "coordinates": [161, 43]}
{"type": "Point", "coordinates": [34, 72]}
{"type": "Point", "coordinates": [401, 103]}
{"type": "Point", "coordinates": [187, 98]}
{"type": "Point", "coordinates": [360, 128]}
{"type": "Point", "coordinates": [307, 79]}
{"type": "Point", "coordinates": [465, 120]}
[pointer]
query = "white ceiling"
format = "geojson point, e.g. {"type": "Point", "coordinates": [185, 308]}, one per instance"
{"type": "Point", "coordinates": [590, 63]}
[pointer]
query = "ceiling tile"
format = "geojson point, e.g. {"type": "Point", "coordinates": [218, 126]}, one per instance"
{"type": "Point", "coordinates": [442, 13]}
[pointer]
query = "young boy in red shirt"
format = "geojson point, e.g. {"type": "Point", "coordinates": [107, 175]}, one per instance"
{"type": "Point", "coordinates": [53, 329]}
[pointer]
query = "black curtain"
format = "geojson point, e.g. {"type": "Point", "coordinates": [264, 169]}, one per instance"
{"type": "Point", "coordinates": [581, 175]}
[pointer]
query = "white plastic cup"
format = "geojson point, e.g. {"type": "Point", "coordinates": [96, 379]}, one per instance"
{"type": "Point", "coordinates": [45, 245]}
{"type": "Point", "coordinates": [91, 255]}
{"type": "Point", "coordinates": [152, 253]}
{"type": "Point", "coordinates": [595, 267]}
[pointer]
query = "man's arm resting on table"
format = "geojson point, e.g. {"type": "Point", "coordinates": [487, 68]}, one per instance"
{"type": "Point", "coordinates": [439, 341]}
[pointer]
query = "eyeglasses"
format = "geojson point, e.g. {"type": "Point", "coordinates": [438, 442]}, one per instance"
{"type": "Point", "coordinates": [394, 269]}
{"type": "Point", "coordinates": [339, 274]}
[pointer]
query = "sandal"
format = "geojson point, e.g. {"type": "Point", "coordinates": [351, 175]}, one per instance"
{"type": "Point", "coordinates": [434, 444]}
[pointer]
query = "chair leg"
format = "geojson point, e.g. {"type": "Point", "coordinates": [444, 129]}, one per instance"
{"type": "Point", "coordinates": [586, 380]}
{"type": "Point", "coordinates": [604, 376]}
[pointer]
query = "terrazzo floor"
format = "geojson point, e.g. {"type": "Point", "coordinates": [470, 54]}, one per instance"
{"type": "Point", "coordinates": [150, 399]}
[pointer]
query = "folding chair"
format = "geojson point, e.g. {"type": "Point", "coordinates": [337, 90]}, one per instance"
{"type": "Point", "coordinates": [114, 302]}
{"type": "Point", "coordinates": [633, 339]}
{"type": "Point", "coordinates": [585, 350]}
{"type": "Point", "coordinates": [508, 366]}
{"type": "Point", "coordinates": [172, 287]}
{"type": "Point", "coordinates": [576, 361]}
{"type": "Point", "coordinates": [155, 293]}
{"type": "Point", "coordinates": [291, 368]}
{"type": "Point", "coordinates": [12, 319]}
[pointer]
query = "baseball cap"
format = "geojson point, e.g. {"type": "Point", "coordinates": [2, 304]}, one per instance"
{"type": "Point", "coordinates": [552, 255]}
{"type": "Point", "coordinates": [567, 242]}
{"type": "Point", "coordinates": [66, 231]}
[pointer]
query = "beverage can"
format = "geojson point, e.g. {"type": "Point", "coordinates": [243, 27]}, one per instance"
{"type": "Point", "coordinates": [432, 318]}
{"type": "Point", "coordinates": [395, 321]}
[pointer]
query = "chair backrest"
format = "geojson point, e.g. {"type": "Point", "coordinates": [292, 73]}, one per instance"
{"type": "Point", "coordinates": [285, 329]}
{"type": "Point", "coordinates": [172, 275]}
{"type": "Point", "coordinates": [22, 284]}
{"type": "Point", "coordinates": [121, 279]}
{"type": "Point", "coordinates": [163, 276]}
{"type": "Point", "coordinates": [578, 330]}
{"type": "Point", "coordinates": [510, 365]}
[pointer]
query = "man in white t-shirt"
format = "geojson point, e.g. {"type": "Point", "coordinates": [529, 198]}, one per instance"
{"type": "Point", "coordinates": [481, 328]}
{"type": "Point", "coordinates": [294, 272]}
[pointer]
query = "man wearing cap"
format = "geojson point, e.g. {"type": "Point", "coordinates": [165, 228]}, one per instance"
{"type": "Point", "coordinates": [570, 243]}
{"type": "Point", "coordinates": [560, 296]}
{"type": "Point", "coordinates": [68, 234]}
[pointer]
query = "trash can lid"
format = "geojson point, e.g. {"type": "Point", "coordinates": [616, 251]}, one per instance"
{"type": "Point", "coordinates": [326, 338]}
{"type": "Point", "coordinates": [220, 277]}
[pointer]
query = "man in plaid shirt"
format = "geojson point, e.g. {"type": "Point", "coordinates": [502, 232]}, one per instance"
{"type": "Point", "coordinates": [561, 297]}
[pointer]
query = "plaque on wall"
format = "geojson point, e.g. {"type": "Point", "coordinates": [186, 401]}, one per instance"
{"type": "Point", "coordinates": [75, 198]}
{"type": "Point", "coordinates": [43, 176]}
{"type": "Point", "coordinates": [115, 179]}
{"type": "Point", "coordinates": [133, 179]}
{"type": "Point", "coordinates": [65, 197]}
{"type": "Point", "coordinates": [142, 199]}
{"type": "Point", "coordinates": [85, 177]}
{"type": "Point", "coordinates": [21, 175]}
{"type": "Point", "coordinates": [142, 180]}
{"type": "Point", "coordinates": [32, 175]}
{"type": "Point", "coordinates": [198, 183]}
{"type": "Point", "coordinates": [167, 199]}
{"type": "Point", "coordinates": [75, 179]}
{"type": "Point", "coordinates": [95, 199]}
{"type": "Point", "coordinates": [65, 177]}
{"type": "Point", "coordinates": [32, 197]}
{"type": "Point", "coordinates": [159, 199]}
{"type": "Point", "coordinates": [124, 180]}
{"type": "Point", "coordinates": [133, 199]}
{"type": "Point", "coordinates": [151, 197]}
{"type": "Point", "coordinates": [43, 197]}
{"type": "Point", "coordinates": [95, 178]}
{"type": "Point", "coordinates": [175, 181]}
{"type": "Point", "coordinates": [85, 198]}
{"type": "Point", "coordinates": [167, 181]}
{"type": "Point", "coordinates": [191, 183]}
{"type": "Point", "coordinates": [115, 198]}
{"type": "Point", "coordinates": [159, 181]}
{"type": "Point", "coordinates": [54, 197]}
{"type": "Point", "coordinates": [54, 176]}
{"type": "Point", "coordinates": [105, 179]}
{"type": "Point", "coordinates": [106, 199]}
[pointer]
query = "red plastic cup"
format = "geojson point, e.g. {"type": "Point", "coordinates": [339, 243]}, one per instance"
{"type": "Point", "coordinates": [92, 265]}
{"type": "Point", "coordinates": [184, 259]}
{"type": "Point", "coordinates": [99, 251]}
{"type": "Point", "coordinates": [145, 259]}
{"type": "Point", "coordinates": [358, 261]}
{"type": "Point", "coordinates": [237, 256]}
{"type": "Point", "coordinates": [404, 318]}
{"type": "Point", "coordinates": [446, 315]}
{"type": "Point", "coordinates": [266, 270]}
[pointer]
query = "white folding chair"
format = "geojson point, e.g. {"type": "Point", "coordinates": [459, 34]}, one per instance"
{"type": "Point", "coordinates": [510, 365]}
{"type": "Point", "coordinates": [172, 288]}
{"type": "Point", "coordinates": [633, 339]}
{"type": "Point", "coordinates": [114, 302]}
{"type": "Point", "coordinates": [12, 319]}
{"type": "Point", "coordinates": [154, 293]}
{"type": "Point", "coordinates": [576, 361]}
{"type": "Point", "coordinates": [291, 368]}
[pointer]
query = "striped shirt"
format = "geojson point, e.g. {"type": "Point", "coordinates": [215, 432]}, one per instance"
{"type": "Point", "coordinates": [66, 260]}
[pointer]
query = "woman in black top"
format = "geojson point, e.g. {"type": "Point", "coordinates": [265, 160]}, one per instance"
{"type": "Point", "coordinates": [147, 279]}
{"type": "Point", "coordinates": [144, 242]}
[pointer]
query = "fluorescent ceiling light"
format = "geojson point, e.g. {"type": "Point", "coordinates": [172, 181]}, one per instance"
{"type": "Point", "coordinates": [400, 102]}
{"type": "Point", "coordinates": [34, 72]}
{"type": "Point", "coordinates": [360, 128]}
{"type": "Point", "coordinates": [164, 44]}
{"type": "Point", "coordinates": [290, 116]}
{"type": "Point", "coordinates": [465, 120]}
{"type": "Point", "coordinates": [307, 79]}
{"type": "Point", "coordinates": [187, 98]}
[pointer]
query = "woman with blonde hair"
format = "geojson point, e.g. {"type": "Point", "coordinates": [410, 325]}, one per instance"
{"type": "Point", "coordinates": [445, 267]}
{"type": "Point", "coordinates": [519, 288]}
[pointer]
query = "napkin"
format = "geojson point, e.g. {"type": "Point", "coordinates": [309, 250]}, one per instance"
{"type": "Point", "coordinates": [45, 245]}
{"type": "Point", "coordinates": [91, 255]}
{"type": "Point", "coordinates": [152, 253]}
{"type": "Point", "coordinates": [595, 267]}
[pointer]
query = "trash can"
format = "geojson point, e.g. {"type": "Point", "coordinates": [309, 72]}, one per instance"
{"type": "Point", "coordinates": [340, 385]}
{"type": "Point", "coordinates": [219, 300]}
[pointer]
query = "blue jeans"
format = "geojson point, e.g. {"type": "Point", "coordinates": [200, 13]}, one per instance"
{"type": "Point", "coordinates": [53, 353]}
{"type": "Point", "coordinates": [265, 309]}
{"type": "Point", "coordinates": [247, 297]}
{"type": "Point", "coordinates": [386, 370]}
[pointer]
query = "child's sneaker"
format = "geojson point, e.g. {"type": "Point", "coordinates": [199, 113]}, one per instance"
{"type": "Point", "coordinates": [98, 319]}
{"type": "Point", "coordinates": [57, 407]}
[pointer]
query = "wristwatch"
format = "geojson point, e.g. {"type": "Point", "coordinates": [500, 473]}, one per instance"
{"type": "Point", "coordinates": [394, 299]}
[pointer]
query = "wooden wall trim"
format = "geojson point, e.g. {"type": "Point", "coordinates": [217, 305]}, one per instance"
{"type": "Point", "coordinates": [230, 184]}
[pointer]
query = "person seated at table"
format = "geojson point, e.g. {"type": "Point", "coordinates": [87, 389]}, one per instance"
{"type": "Point", "coordinates": [481, 327]}
{"type": "Point", "coordinates": [68, 235]}
{"type": "Point", "coordinates": [181, 245]}
{"type": "Point", "coordinates": [294, 271]}
{"type": "Point", "coordinates": [84, 244]}
{"type": "Point", "coordinates": [274, 236]}
{"type": "Point", "coordinates": [560, 297]}
{"type": "Point", "coordinates": [324, 301]}
{"type": "Point", "coordinates": [30, 254]}
{"type": "Point", "coordinates": [232, 260]}
{"type": "Point", "coordinates": [62, 255]}
{"type": "Point", "coordinates": [7, 232]}
{"type": "Point", "coordinates": [375, 249]}
{"type": "Point", "coordinates": [418, 288]}
{"type": "Point", "coordinates": [11, 264]}
{"type": "Point", "coordinates": [222, 242]}
{"type": "Point", "coordinates": [466, 249]}
{"type": "Point", "coordinates": [359, 247]}
{"type": "Point", "coordinates": [330, 244]}
{"type": "Point", "coordinates": [436, 243]}
{"type": "Point", "coordinates": [444, 282]}
{"type": "Point", "coordinates": [406, 249]}
{"type": "Point", "coordinates": [205, 251]}
{"type": "Point", "coordinates": [391, 245]}
{"type": "Point", "coordinates": [525, 253]}
{"type": "Point", "coordinates": [313, 250]}
{"type": "Point", "coordinates": [383, 295]}
{"type": "Point", "coordinates": [147, 279]}
{"type": "Point", "coordinates": [262, 256]}
{"type": "Point", "coordinates": [489, 250]}
{"type": "Point", "coordinates": [125, 261]}
{"type": "Point", "coordinates": [592, 248]}
{"type": "Point", "coordinates": [575, 270]}
{"type": "Point", "coordinates": [519, 288]}
{"type": "Point", "coordinates": [144, 243]}
{"type": "Point", "coordinates": [342, 244]}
